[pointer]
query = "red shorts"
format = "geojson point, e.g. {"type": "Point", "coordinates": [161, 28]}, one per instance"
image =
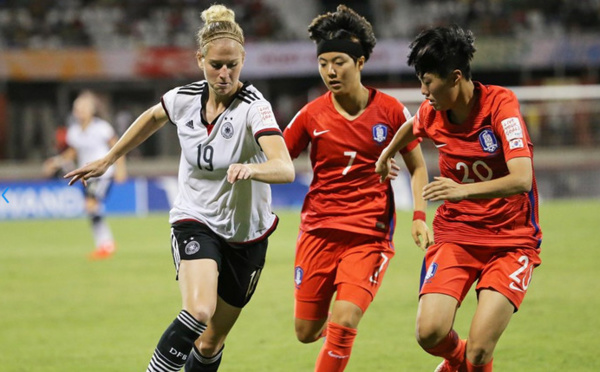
{"type": "Point", "coordinates": [329, 260]}
{"type": "Point", "coordinates": [452, 269]}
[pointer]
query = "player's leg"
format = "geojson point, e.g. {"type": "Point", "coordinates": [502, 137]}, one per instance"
{"type": "Point", "coordinates": [434, 332]}
{"type": "Point", "coordinates": [238, 278]}
{"type": "Point", "coordinates": [491, 318]}
{"type": "Point", "coordinates": [208, 349]}
{"type": "Point", "coordinates": [95, 194]}
{"type": "Point", "coordinates": [450, 272]}
{"type": "Point", "coordinates": [502, 288]}
{"type": "Point", "coordinates": [359, 275]}
{"type": "Point", "coordinates": [198, 271]}
{"type": "Point", "coordinates": [341, 331]}
{"type": "Point", "coordinates": [314, 274]}
{"type": "Point", "coordinates": [198, 286]}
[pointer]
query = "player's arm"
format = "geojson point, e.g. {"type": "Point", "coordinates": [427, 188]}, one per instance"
{"type": "Point", "coordinates": [403, 137]}
{"type": "Point", "coordinates": [143, 127]}
{"type": "Point", "coordinates": [120, 168]}
{"type": "Point", "coordinates": [277, 169]}
{"type": "Point", "coordinates": [518, 180]}
{"type": "Point", "coordinates": [54, 163]}
{"type": "Point", "coordinates": [415, 163]}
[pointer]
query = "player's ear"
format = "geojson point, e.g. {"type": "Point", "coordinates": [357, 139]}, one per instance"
{"type": "Point", "coordinates": [456, 76]}
{"type": "Point", "coordinates": [200, 59]}
{"type": "Point", "coordinates": [360, 62]}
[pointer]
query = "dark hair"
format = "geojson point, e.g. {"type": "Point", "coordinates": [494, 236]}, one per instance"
{"type": "Point", "coordinates": [442, 50]}
{"type": "Point", "coordinates": [344, 24]}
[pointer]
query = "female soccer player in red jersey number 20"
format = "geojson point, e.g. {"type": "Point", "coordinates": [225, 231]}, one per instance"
{"type": "Point", "coordinates": [221, 219]}
{"type": "Point", "coordinates": [348, 217]}
{"type": "Point", "coordinates": [487, 228]}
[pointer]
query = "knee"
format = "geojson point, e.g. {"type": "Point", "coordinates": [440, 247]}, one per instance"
{"type": "Point", "coordinates": [428, 335]}
{"type": "Point", "coordinates": [210, 348]}
{"type": "Point", "coordinates": [309, 331]}
{"type": "Point", "coordinates": [346, 320]}
{"type": "Point", "coordinates": [202, 313]}
{"type": "Point", "coordinates": [307, 335]}
{"type": "Point", "coordinates": [479, 353]}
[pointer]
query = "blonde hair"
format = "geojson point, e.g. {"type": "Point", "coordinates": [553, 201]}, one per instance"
{"type": "Point", "coordinates": [219, 22]}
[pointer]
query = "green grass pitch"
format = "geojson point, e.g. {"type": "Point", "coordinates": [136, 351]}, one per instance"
{"type": "Point", "coordinates": [60, 312]}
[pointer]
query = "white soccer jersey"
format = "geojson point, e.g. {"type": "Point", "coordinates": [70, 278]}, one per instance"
{"type": "Point", "coordinates": [239, 213]}
{"type": "Point", "coordinates": [92, 142]}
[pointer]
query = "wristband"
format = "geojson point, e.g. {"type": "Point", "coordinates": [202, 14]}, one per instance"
{"type": "Point", "coordinates": [419, 215]}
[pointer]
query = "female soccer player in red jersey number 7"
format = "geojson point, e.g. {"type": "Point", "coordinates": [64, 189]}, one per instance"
{"type": "Point", "coordinates": [487, 229]}
{"type": "Point", "coordinates": [348, 217]}
{"type": "Point", "coordinates": [221, 219]}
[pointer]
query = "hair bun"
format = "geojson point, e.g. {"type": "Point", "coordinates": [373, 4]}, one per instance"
{"type": "Point", "coordinates": [218, 13]}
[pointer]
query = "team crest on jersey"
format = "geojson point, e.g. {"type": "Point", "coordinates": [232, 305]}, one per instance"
{"type": "Point", "coordinates": [298, 275]}
{"type": "Point", "coordinates": [192, 247]}
{"type": "Point", "coordinates": [488, 141]}
{"type": "Point", "coordinates": [380, 132]}
{"type": "Point", "coordinates": [227, 130]}
{"type": "Point", "coordinates": [431, 271]}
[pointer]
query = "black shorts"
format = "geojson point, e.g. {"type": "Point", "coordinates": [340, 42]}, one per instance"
{"type": "Point", "coordinates": [239, 265]}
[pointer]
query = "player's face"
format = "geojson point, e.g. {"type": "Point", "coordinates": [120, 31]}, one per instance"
{"type": "Point", "coordinates": [222, 65]}
{"type": "Point", "coordinates": [83, 109]}
{"type": "Point", "coordinates": [440, 92]}
{"type": "Point", "coordinates": [339, 72]}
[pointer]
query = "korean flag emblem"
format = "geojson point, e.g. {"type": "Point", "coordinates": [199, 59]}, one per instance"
{"type": "Point", "coordinates": [488, 141]}
{"type": "Point", "coordinates": [298, 275]}
{"type": "Point", "coordinates": [380, 132]}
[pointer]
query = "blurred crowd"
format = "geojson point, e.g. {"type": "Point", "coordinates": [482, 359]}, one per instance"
{"type": "Point", "coordinates": [115, 24]}
{"type": "Point", "coordinates": [36, 113]}
{"type": "Point", "coordinates": [156, 23]}
{"type": "Point", "coordinates": [404, 18]}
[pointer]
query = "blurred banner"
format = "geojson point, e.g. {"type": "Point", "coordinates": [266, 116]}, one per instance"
{"type": "Point", "coordinates": [138, 196]}
{"type": "Point", "coordinates": [271, 60]}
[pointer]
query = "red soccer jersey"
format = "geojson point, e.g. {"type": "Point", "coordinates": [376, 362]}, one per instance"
{"type": "Point", "coordinates": [475, 151]}
{"type": "Point", "coordinates": [345, 192]}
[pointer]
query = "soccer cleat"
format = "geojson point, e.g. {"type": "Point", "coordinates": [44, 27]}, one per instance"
{"type": "Point", "coordinates": [445, 366]}
{"type": "Point", "coordinates": [104, 251]}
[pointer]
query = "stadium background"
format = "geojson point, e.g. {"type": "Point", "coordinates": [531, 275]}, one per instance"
{"type": "Point", "coordinates": [131, 52]}
{"type": "Point", "coordinates": [59, 312]}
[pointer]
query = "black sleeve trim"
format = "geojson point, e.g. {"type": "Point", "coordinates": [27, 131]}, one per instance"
{"type": "Point", "coordinates": [162, 103]}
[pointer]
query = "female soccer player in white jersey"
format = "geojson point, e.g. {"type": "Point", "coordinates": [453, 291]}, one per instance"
{"type": "Point", "coordinates": [231, 149]}
{"type": "Point", "coordinates": [88, 138]}
{"type": "Point", "coordinates": [348, 217]}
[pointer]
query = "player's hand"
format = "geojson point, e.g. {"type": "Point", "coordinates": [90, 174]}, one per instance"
{"type": "Point", "coordinates": [421, 234]}
{"type": "Point", "coordinates": [93, 169]}
{"type": "Point", "coordinates": [383, 167]}
{"type": "Point", "coordinates": [394, 169]}
{"type": "Point", "coordinates": [51, 165]}
{"type": "Point", "coordinates": [443, 188]}
{"type": "Point", "coordinates": [237, 172]}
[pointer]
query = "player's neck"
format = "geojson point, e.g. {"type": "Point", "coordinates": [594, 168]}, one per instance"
{"type": "Point", "coordinates": [85, 123]}
{"type": "Point", "coordinates": [353, 104]}
{"type": "Point", "coordinates": [216, 104]}
{"type": "Point", "coordinates": [465, 101]}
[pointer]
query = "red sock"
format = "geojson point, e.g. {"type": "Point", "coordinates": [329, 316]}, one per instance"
{"type": "Point", "coordinates": [450, 348]}
{"type": "Point", "coordinates": [336, 350]}
{"type": "Point", "coordinates": [482, 368]}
